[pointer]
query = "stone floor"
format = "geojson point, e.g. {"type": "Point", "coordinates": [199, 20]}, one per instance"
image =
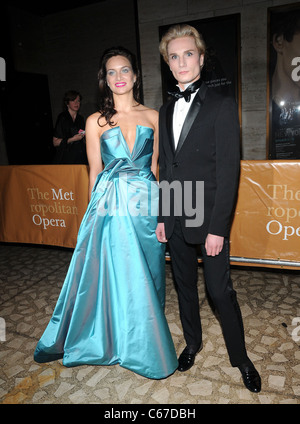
{"type": "Point", "coordinates": [30, 281]}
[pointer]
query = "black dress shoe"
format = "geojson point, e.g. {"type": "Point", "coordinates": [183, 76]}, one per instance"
{"type": "Point", "coordinates": [251, 378]}
{"type": "Point", "coordinates": [187, 358]}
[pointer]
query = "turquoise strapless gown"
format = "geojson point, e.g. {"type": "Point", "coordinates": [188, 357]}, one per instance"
{"type": "Point", "coordinates": [111, 306]}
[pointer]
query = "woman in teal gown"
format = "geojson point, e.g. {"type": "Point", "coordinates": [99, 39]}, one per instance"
{"type": "Point", "coordinates": [111, 306]}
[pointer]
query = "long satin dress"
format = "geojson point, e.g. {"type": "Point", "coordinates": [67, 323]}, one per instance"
{"type": "Point", "coordinates": [111, 306]}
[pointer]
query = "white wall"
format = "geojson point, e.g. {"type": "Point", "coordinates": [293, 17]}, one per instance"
{"type": "Point", "coordinates": [67, 47]}
{"type": "Point", "coordinates": [155, 13]}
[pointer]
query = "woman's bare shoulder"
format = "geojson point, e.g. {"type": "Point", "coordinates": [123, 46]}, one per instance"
{"type": "Point", "coordinates": [96, 122]}
{"type": "Point", "coordinates": [150, 114]}
{"type": "Point", "coordinates": [148, 109]}
{"type": "Point", "coordinates": [95, 117]}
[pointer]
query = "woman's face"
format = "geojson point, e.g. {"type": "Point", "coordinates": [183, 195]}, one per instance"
{"type": "Point", "coordinates": [74, 105]}
{"type": "Point", "coordinates": [119, 75]}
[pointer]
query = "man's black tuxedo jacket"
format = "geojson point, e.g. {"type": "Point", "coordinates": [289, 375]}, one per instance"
{"type": "Point", "coordinates": [208, 150]}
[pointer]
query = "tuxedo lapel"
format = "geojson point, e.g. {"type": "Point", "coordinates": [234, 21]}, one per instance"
{"type": "Point", "coordinates": [169, 122]}
{"type": "Point", "coordinates": [190, 118]}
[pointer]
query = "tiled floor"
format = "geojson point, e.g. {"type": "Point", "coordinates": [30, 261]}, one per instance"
{"type": "Point", "coordinates": [30, 281]}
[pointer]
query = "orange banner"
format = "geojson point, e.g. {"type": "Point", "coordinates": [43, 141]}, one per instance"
{"type": "Point", "coordinates": [42, 204]}
{"type": "Point", "coordinates": [266, 225]}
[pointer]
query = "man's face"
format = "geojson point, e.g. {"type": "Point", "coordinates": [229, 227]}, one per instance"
{"type": "Point", "coordinates": [184, 60]}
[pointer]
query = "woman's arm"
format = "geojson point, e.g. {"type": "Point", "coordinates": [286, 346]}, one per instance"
{"type": "Point", "coordinates": [92, 134]}
{"type": "Point", "coordinates": [155, 144]}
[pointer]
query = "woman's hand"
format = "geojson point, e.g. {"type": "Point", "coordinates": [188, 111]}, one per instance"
{"type": "Point", "coordinates": [160, 232]}
{"type": "Point", "coordinates": [75, 137]}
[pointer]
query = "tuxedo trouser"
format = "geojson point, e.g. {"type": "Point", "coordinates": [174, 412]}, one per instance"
{"type": "Point", "coordinates": [219, 286]}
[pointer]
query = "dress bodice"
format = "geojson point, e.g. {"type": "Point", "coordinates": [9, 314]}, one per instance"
{"type": "Point", "coordinates": [114, 146]}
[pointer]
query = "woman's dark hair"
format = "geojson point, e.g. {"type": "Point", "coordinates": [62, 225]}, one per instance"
{"type": "Point", "coordinates": [106, 102]}
{"type": "Point", "coordinates": [70, 95]}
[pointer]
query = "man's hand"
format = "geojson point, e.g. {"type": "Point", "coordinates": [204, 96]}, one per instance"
{"type": "Point", "coordinates": [160, 232]}
{"type": "Point", "coordinates": [213, 244]}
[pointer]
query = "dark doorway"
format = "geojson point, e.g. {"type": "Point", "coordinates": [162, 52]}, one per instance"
{"type": "Point", "coordinates": [27, 119]}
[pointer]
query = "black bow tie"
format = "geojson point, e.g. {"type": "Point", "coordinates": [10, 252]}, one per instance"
{"type": "Point", "coordinates": [188, 92]}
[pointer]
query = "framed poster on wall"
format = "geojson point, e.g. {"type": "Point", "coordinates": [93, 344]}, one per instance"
{"type": "Point", "coordinates": [283, 88]}
{"type": "Point", "coordinates": [222, 59]}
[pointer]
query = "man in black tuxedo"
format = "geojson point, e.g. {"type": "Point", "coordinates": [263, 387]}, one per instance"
{"type": "Point", "coordinates": [199, 142]}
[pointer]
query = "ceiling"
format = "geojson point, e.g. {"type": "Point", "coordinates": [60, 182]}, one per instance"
{"type": "Point", "coordinates": [43, 8]}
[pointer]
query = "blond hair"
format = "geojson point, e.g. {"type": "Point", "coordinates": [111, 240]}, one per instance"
{"type": "Point", "coordinates": [178, 31]}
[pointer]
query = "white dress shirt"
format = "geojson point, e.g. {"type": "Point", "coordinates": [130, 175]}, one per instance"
{"type": "Point", "coordinates": [181, 109]}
